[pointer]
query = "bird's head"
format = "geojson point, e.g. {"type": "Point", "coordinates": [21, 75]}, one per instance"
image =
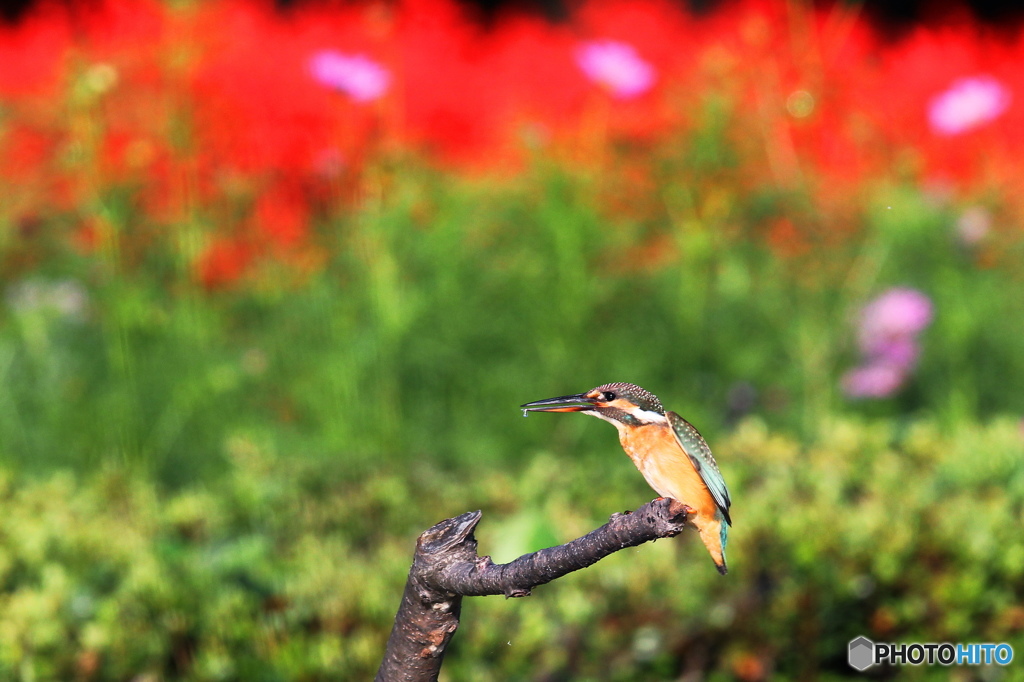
{"type": "Point", "coordinates": [623, 405]}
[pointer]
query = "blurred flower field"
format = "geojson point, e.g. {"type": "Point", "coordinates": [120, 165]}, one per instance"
{"type": "Point", "coordinates": [275, 281]}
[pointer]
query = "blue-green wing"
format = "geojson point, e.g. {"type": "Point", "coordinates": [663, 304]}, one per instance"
{"type": "Point", "coordinates": [697, 450]}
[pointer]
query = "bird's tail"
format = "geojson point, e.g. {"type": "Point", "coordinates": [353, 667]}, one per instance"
{"type": "Point", "coordinates": [714, 534]}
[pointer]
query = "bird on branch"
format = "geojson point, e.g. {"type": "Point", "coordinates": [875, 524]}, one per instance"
{"type": "Point", "coordinates": [670, 453]}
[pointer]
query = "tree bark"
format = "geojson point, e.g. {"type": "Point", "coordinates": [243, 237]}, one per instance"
{"type": "Point", "coordinates": [446, 568]}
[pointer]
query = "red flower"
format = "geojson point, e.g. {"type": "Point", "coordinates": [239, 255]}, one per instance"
{"type": "Point", "coordinates": [223, 263]}
{"type": "Point", "coordinates": [281, 215]}
{"type": "Point", "coordinates": [33, 53]}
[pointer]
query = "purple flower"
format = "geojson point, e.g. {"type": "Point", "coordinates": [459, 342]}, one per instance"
{"type": "Point", "coordinates": [360, 78]}
{"type": "Point", "coordinates": [889, 326]}
{"type": "Point", "coordinates": [899, 351]}
{"type": "Point", "coordinates": [878, 380]}
{"type": "Point", "coordinates": [898, 314]}
{"type": "Point", "coordinates": [968, 103]}
{"type": "Point", "coordinates": [616, 66]}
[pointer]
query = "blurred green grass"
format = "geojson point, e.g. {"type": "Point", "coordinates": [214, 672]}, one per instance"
{"type": "Point", "coordinates": [448, 301]}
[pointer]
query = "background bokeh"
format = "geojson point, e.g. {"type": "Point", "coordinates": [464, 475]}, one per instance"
{"type": "Point", "coordinates": [275, 280]}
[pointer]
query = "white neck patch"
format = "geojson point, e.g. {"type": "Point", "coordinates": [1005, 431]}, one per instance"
{"type": "Point", "coordinates": [641, 415]}
{"type": "Point", "coordinates": [648, 417]}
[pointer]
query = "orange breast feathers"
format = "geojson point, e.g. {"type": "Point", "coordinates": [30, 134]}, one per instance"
{"type": "Point", "coordinates": [656, 453]}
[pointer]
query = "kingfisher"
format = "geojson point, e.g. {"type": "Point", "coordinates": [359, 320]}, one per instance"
{"type": "Point", "coordinates": [671, 454]}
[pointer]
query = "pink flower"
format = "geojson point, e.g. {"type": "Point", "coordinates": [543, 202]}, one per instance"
{"type": "Point", "coordinates": [616, 66]}
{"type": "Point", "coordinates": [897, 314]}
{"type": "Point", "coordinates": [969, 103]}
{"type": "Point", "coordinates": [889, 326]}
{"type": "Point", "coordinates": [899, 351]}
{"type": "Point", "coordinates": [879, 380]}
{"type": "Point", "coordinates": [360, 78]}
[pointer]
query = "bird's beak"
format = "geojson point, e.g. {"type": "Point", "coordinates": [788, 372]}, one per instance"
{"type": "Point", "coordinates": [565, 403]}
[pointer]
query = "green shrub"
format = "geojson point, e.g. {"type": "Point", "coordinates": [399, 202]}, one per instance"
{"type": "Point", "coordinates": [285, 569]}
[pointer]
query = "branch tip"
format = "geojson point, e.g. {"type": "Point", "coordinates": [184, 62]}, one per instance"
{"type": "Point", "coordinates": [448, 533]}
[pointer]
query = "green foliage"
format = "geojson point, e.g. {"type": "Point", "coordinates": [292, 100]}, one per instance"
{"type": "Point", "coordinates": [226, 484]}
{"type": "Point", "coordinates": [285, 570]}
{"type": "Point", "coordinates": [442, 303]}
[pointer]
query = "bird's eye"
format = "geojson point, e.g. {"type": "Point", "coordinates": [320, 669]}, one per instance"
{"type": "Point", "coordinates": [608, 396]}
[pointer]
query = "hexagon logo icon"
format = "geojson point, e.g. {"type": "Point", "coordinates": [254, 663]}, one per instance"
{"type": "Point", "coordinates": [862, 653]}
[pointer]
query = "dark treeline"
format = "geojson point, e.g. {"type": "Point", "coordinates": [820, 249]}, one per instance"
{"type": "Point", "coordinates": [890, 16]}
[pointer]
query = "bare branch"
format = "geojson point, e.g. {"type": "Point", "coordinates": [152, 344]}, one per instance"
{"type": "Point", "coordinates": [446, 568]}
